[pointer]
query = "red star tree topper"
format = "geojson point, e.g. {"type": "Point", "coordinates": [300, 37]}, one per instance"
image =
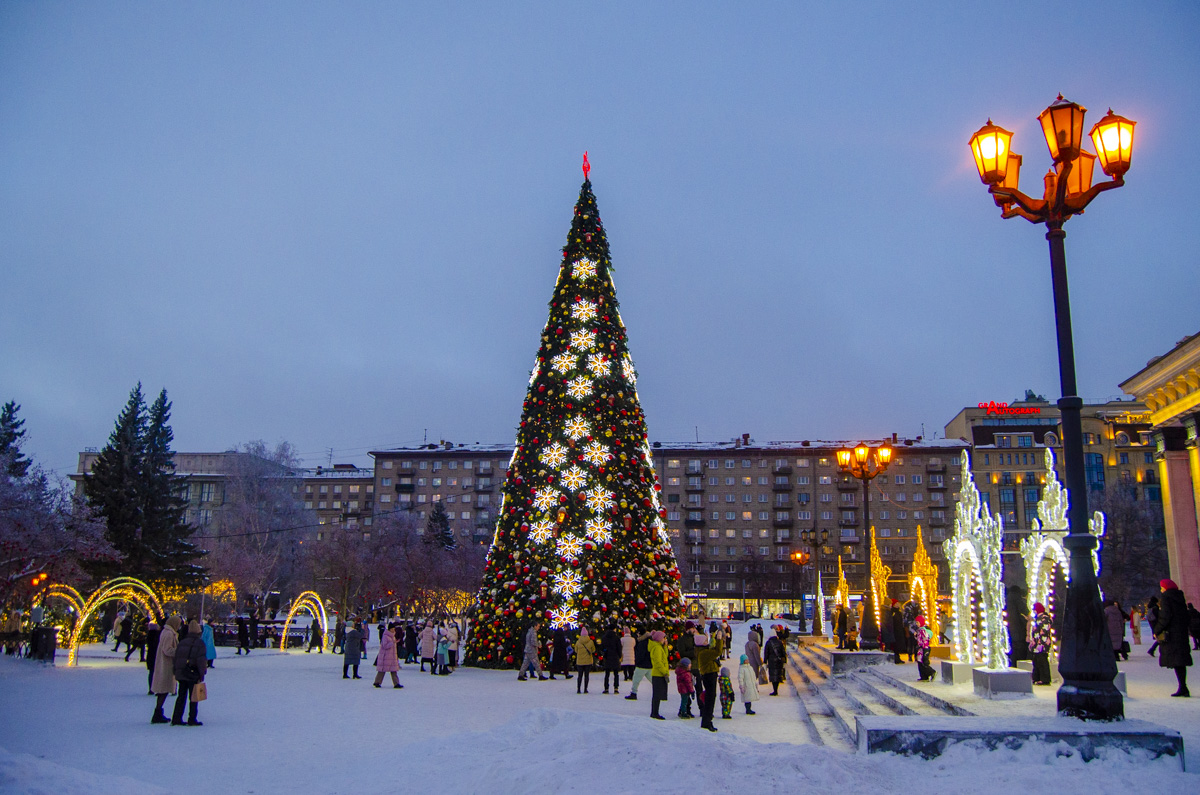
{"type": "Point", "coordinates": [580, 540]}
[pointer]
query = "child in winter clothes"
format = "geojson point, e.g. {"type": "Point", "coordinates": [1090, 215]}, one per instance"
{"type": "Point", "coordinates": [726, 688]}
{"type": "Point", "coordinates": [748, 682]}
{"type": "Point", "coordinates": [686, 687]}
{"type": "Point", "coordinates": [922, 636]}
{"type": "Point", "coordinates": [443, 655]}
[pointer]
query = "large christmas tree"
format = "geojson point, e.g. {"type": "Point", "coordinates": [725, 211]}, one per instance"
{"type": "Point", "coordinates": [580, 539]}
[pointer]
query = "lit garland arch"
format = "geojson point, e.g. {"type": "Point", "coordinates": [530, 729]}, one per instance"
{"type": "Point", "coordinates": [311, 602]}
{"type": "Point", "coordinates": [923, 584]}
{"type": "Point", "coordinates": [975, 566]}
{"type": "Point", "coordinates": [1042, 549]}
{"type": "Point", "coordinates": [842, 595]}
{"type": "Point", "coordinates": [126, 589]}
{"type": "Point", "coordinates": [880, 574]}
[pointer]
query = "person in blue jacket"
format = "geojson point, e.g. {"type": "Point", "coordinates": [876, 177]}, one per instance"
{"type": "Point", "coordinates": [210, 645]}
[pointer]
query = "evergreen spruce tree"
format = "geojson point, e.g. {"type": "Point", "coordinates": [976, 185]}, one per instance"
{"type": "Point", "coordinates": [132, 485]}
{"type": "Point", "coordinates": [580, 538]}
{"type": "Point", "coordinates": [437, 529]}
{"type": "Point", "coordinates": [164, 511]}
{"type": "Point", "coordinates": [12, 435]}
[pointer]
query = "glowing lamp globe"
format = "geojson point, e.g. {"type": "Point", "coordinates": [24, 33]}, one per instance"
{"type": "Point", "coordinates": [861, 453]}
{"type": "Point", "coordinates": [990, 146]}
{"type": "Point", "coordinates": [884, 455]}
{"type": "Point", "coordinates": [1062, 124]}
{"type": "Point", "coordinates": [1080, 178]}
{"type": "Point", "coordinates": [1113, 139]}
{"type": "Point", "coordinates": [843, 457]}
{"type": "Point", "coordinates": [1012, 179]}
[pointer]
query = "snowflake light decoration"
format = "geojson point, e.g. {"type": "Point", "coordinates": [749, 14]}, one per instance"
{"type": "Point", "coordinates": [584, 269]}
{"type": "Point", "coordinates": [598, 364]}
{"type": "Point", "coordinates": [541, 530]}
{"type": "Point", "coordinates": [569, 546]}
{"type": "Point", "coordinates": [599, 531]}
{"type": "Point", "coordinates": [599, 499]}
{"type": "Point", "coordinates": [563, 362]}
{"type": "Point", "coordinates": [554, 455]}
{"type": "Point", "coordinates": [574, 478]}
{"type": "Point", "coordinates": [568, 583]}
{"type": "Point", "coordinates": [595, 453]}
{"type": "Point", "coordinates": [579, 387]}
{"type": "Point", "coordinates": [563, 618]}
{"type": "Point", "coordinates": [627, 370]}
{"type": "Point", "coordinates": [577, 427]}
{"type": "Point", "coordinates": [545, 497]}
{"type": "Point", "coordinates": [584, 310]}
{"type": "Point", "coordinates": [537, 370]}
{"type": "Point", "coordinates": [583, 339]}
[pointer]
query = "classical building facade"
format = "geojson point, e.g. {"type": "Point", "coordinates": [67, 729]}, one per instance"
{"type": "Point", "coordinates": [1169, 386]}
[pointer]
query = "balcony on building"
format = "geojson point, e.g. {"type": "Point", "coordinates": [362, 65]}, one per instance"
{"type": "Point", "coordinates": [935, 465]}
{"type": "Point", "coordinates": [786, 486]}
{"type": "Point", "coordinates": [481, 486]}
{"type": "Point", "coordinates": [777, 522]}
{"type": "Point", "coordinates": [693, 488]}
{"type": "Point", "coordinates": [847, 483]}
{"type": "Point", "coordinates": [689, 522]}
{"type": "Point", "coordinates": [783, 470]}
{"type": "Point", "coordinates": [695, 469]}
{"type": "Point", "coordinates": [936, 521]}
{"type": "Point", "coordinates": [404, 488]}
{"type": "Point", "coordinates": [848, 522]}
{"type": "Point", "coordinates": [936, 485]}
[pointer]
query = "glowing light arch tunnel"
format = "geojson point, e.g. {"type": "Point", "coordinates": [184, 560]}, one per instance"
{"type": "Point", "coordinates": [311, 602]}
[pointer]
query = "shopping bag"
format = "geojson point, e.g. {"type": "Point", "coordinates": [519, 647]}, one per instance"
{"type": "Point", "coordinates": [199, 692]}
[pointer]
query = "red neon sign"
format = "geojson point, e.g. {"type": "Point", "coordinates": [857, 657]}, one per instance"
{"type": "Point", "coordinates": [1004, 408]}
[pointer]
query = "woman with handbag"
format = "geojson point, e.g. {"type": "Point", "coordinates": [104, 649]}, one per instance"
{"type": "Point", "coordinates": [1115, 617]}
{"type": "Point", "coordinates": [1171, 631]}
{"type": "Point", "coordinates": [191, 663]}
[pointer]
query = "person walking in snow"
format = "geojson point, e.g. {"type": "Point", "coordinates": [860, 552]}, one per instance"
{"type": "Point", "coordinates": [611, 651]}
{"type": "Point", "coordinates": [152, 634]}
{"type": "Point", "coordinates": [628, 644]}
{"type": "Point", "coordinates": [726, 687]}
{"type": "Point", "coordinates": [754, 653]}
{"type": "Point", "coordinates": [125, 635]}
{"type": "Point", "coordinates": [560, 658]}
{"type": "Point", "coordinates": [684, 687]}
{"type": "Point", "coordinates": [1135, 625]}
{"type": "Point", "coordinates": [410, 643]}
{"type": "Point", "coordinates": [641, 664]}
{"type": "Point", "coordinates": [316, 637]}
{"type": "Point", "coordinates": [243, 635]}
{"type": "Point", "coordinates": [443, 655]}
{"type": "Point", "coordinates": [776, 657]}
{"type": "Point", "coordinates": [533, 659]}
{"type": "Point", "coordinates": [162, 680]}
{"type": "Point", "coordinates": [452, 638]}
{"type": "Point", "coordinates": [352, 651]}
{"type": "Point", "coordinates": [388, 660]}
{"type": "Point", "coordinates": [658, 671]}
{"type": "Point", "coordinates": [1171, 631]}
{"type": "Point", "coordinates": [1194, 625]}
{"type": "Point", "coordinates": [842, 623]}
{"type": "Point", "coordinates": [339, 637]}
{"type": "Point", "coordinates": [139, 639]}
{"type": "Point", "coordinates": [191, 663]}
{"type": "Point", "coordinates": [210, 644]}
{"type": "Point", "coordinates": [708, 666]}
{"type": "Point", "coordinates": [1040, 641]}
{"type": "Point", "coordinates": [585, 657]}
{"type": "Point", "coordinates": [1152, 611]}
{"type": "Point", "coordinates": [428, 647]}
{"type": "Point", "coordinates": [748, 684]}
{"type": "Point", "coordinates": [1115, 617]}
{"type": "Point", "coordinates": [923, 637]}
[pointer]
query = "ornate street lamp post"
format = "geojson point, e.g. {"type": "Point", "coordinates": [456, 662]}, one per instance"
{"type": "Point", "coordinates": [866, 463]}
{"type": "Point", "coordinates": [800, 559]}
{"type": "Point", "coordinates": [814, 539]}
{"type": "Point", "coordinates": [1086, 661]}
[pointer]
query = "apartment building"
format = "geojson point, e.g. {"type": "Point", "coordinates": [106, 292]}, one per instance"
{"type": "Point", "coordinates": [738, 510]}
{"type": "Point", "coordinates": [340, 497]}
{"type": "Point", "coordinates": [1008, 444]}
{"type": "Point", "coordinates": [465, 478]}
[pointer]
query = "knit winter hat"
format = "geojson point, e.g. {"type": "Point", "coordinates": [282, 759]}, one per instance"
{"type": "Point", "coordinates": [684, 662]}
{"type": "Point", "coordinates": [724, 672]}
{"type": "Point", "coordinates": [1038, 607]}
{"type": "Point", "coordinates": [174, 622]}
{"type": "Point", "coordinates": [194, 627]}
{"type": "Point", "coordinates": [658, 636]}
{"type": "Point", "coordinates": [744, 659]}
{"type": "Point", "coordinates": [921, 621]}
{"type": "Point", "coordinates": [1168, 584]}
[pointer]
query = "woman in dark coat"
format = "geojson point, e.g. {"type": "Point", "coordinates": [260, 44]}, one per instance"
{"type": "Point", "coordinates": [610, 648]}
{"type": "Point", "coordinates": [899, 632]}
{"type": "Point", "coordinates": [560, 661]}
{"type": "Point", "coordinates": [1152, 617]}
{"type": "Point", "coordinates": [352, 652]}
{"type": "Point", "coordinates": [1171, 632]}
{"type": "Point", "coordinates": [191, 662]}
{"type": "Point", "coordinates": [152, 632]}
{"type": "Point", "coordinates": [243, 635]}
{"type": "Point", "coordinates": [842, 625]}
{"type": "Point", "coordinates": [410, 643]}
{"type": "Point", "coordinates": [776, 656]}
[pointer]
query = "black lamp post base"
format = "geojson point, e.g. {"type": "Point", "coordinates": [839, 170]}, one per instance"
{"type": "Point", "coordinates": [1090, 701]}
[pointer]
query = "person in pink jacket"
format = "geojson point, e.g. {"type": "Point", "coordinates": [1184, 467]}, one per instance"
{"type": "Point", "coordinates": [388, 660]}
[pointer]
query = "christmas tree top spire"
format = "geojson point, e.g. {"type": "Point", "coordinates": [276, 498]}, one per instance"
{"type": "Point", "coordinates": [580, 538]}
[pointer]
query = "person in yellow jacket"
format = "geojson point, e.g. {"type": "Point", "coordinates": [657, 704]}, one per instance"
{"type": "Point", "coordinates": [585, 656]}
{"type": "Point", "coordinates": [658, 671]}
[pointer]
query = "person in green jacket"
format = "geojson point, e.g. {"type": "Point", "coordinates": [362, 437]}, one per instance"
{"type": "Point", "coordinates": [658, 671]}
{"type": "Point", "coordinates": [708, 666]}
{"type": "Point", "coordinates": [585, 657]}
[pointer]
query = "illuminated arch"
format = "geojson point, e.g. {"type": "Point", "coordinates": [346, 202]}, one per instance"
{"type": "Point", "coordinates": [880, 574]}
{"type": "Point", "coordinates": [128, 589]}
{"type": "Point", "coordinates": [311, 602]}
{"type": "Point", "coordinates": [842, 595]}
{"type": "Point", "coordinates": [976, 543]}
{"type": "Point", "coordinates": [74, 601]}
{"type": "Point", "coordinates": [923, 585]}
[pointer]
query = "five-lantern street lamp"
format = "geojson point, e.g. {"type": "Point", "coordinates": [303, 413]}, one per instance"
{"type": "Point", "coordinates": [1085, 661]}
{"type": "Point", "coordinates": [866, 463]}
{"type": "Point", "coordinates": [800, 559]}
{"type": "Point", "coordinates": [814, 539]}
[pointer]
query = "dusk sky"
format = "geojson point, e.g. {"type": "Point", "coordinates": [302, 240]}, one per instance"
{"type": "Point", "coordinates": [340, 224]}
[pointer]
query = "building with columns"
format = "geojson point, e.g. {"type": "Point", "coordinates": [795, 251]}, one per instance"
{"type": "Point", "coordinates": [1169, 386]}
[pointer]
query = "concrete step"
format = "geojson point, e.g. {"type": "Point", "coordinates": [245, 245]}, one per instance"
{"type": "Point", "coordinates": [815, 713]}
{"type": "Point", "coordinates": [935, 705]}
{"type": "Point", "coordinates": [829, 698]}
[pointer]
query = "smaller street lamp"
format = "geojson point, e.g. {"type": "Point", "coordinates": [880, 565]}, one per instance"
{"type": "Point", "coordinates": [866, 463]}
{"type": "Point", "coordinates": [814, 539]}
{"type": "Point", "coordinates": [801, 560]}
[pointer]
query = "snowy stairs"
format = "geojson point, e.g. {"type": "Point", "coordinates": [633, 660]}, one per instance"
{"type": "Point", "coordinates": [832, 702]}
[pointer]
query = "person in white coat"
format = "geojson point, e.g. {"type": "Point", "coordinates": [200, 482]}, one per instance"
{"type": "Point", "coordinates": [748, 684]}
{"type": "Point", "coordinates": [627, 659]}
{"type": "Point", "coordinates": [452, 637]}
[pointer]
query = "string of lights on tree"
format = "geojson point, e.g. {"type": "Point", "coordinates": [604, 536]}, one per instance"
{"type": "Point", "coordinates": [580, 537]}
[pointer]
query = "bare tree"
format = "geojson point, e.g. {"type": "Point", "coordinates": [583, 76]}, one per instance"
{"type": "Point", "coordinates": [1133, 555]}
{"type": "Point", "coordinates": [260, 526]}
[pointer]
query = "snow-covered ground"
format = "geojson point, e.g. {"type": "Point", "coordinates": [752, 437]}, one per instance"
{"type": "Point", "coordinates": [288, 722]}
